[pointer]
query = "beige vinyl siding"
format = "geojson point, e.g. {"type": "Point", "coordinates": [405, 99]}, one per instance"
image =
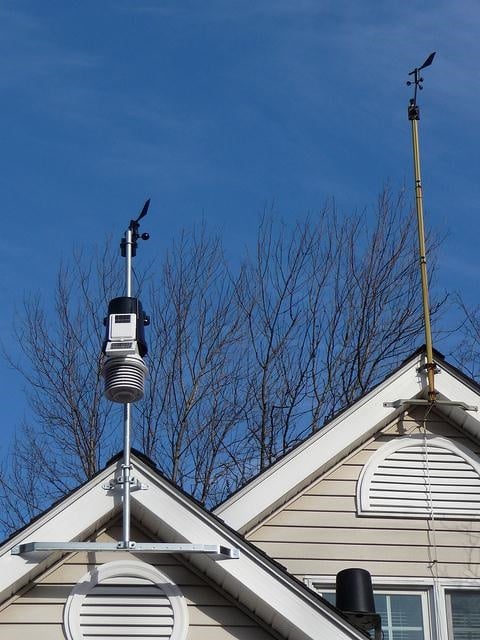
{"type": "Point", "coordinates": [319, 532]}
{"type": "Point", "coordinates": [37, 612]}
{"type": "Point", "coordinates": [54, 632]}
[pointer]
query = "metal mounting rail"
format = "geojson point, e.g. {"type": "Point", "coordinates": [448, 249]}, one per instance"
{"type": "Point", "coordinates": [218, 551]}
{"type": "Point", "coordinates": [396, 404]}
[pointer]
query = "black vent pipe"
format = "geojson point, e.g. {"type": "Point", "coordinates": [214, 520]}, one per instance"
{"type": "Point", "coordinates": [354, 597]}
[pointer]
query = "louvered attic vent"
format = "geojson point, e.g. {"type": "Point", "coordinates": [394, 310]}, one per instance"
{"type": "Point", "coordinates": [126, 600]}
{"type": "Point", "coordinates": [416, 476]}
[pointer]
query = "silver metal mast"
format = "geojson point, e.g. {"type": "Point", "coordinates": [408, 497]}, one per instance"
{"type": "Point", "coordinates": [124, 372]}
{"type": "Point", "coordinates": [127, 409]}
{"type": "Point", "coordinates": [128, 250]}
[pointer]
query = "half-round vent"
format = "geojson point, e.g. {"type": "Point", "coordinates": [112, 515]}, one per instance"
{"type": "Point", "coordinates": [418, 477]}
{"type": "Point", "coordinates": [125, 600]}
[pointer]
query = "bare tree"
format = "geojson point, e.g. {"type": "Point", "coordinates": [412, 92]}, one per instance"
{"type": "Point", "coordinates": [70, 434]}
{"type": "Point", "coordinates": [331, 307]}
{"type": "Point", "coordinates": [194, 408]}
{"type": "Point", "coordinates": [467, 351]}
{"type": "Point", "coordinates": [375, 312]}
{"type": "Point", "coordinates": [280, 301]}
{"type": "Point", "coordinates": [242, 364]}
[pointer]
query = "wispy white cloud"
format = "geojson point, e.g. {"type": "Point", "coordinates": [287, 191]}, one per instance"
{"type": "Point", "coordinates": [40, 71]}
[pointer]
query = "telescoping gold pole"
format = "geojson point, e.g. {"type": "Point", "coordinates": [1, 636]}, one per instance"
{"type": "Point", "coordinates": [414, 117]}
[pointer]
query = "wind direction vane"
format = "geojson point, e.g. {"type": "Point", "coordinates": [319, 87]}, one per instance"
{"type": "Point", "coordinates": [418, 80]}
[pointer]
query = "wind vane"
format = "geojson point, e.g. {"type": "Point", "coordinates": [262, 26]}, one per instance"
{"type": "Point", "coordinates": [418, 80]}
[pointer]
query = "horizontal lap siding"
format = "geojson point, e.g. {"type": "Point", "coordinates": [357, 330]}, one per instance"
{"type": "Point", "coordinates": [38, 612]}
{"type": "Point", "coordinates": [200, 615]}
{"type": "Point", "coordinates": [319, 533]}
{"type": "Point", "coordinates": [315, 552]}
{"type": "Point", "coordinates": [402, 538]}
{"type": "Point", "coordinates": [30, 631]}
{"type": "Point", "coordinates": [54, 632]}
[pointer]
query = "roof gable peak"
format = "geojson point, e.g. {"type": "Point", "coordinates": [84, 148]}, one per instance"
{"type": "Point", "coordinates": [355, 424]}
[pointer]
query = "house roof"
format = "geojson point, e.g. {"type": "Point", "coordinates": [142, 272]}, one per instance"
{"type": "Point", "coordinates": [348, 430]}
{"type": "Point", "coordinates": [257, 582]}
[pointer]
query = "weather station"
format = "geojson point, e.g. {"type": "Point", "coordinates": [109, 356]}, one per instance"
{"type": "Point", "coordinates": [124, 371]}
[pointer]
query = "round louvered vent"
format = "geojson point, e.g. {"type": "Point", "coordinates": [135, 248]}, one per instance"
{"type": "Point", "coordinates": [125, 600]}
{"type": "Point", "coordinates": [418, 477]}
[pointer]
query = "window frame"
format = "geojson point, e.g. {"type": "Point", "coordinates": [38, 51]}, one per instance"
{"type": "Point", "coordinates": [435, 589]}
{"type": "Point", "coordinates": [444, 587]}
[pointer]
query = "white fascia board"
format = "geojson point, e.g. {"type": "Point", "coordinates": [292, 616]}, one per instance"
{"type": "Point", "coordinates": [455, 388]}
{"type": "Point", "coordinates": [354, 424]}
{"type": "Point", "coordinates": [66, 521]}
{"type": "Point", "coordinates": [291, 608]}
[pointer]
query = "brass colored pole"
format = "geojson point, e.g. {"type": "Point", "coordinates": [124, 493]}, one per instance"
{"type": "Point", "coordinates": [414, 116]}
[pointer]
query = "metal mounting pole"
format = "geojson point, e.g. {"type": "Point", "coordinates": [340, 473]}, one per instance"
{"type": "Point", "coordinates": [127, 412]}
{"type": "Point", "coordinates": [413, 114]}
{"type": "Point", "coordinates": [126, 466]}
{"type": "Point", "coordinates": [128, 262]}
{"type": "Point", "coordinates": [414, 117]}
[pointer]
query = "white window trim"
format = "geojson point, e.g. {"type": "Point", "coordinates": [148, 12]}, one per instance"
{"type": "Point", "coordinates": [391, 586]}
{"type": "Point", "coordinates": [128, 569]}
{"type": "Point", "coordinates": [441, 587]}
{"type": "Point", "coordinates": [436, 587]}
{"type": "Point", "coordinates": [364, 507]}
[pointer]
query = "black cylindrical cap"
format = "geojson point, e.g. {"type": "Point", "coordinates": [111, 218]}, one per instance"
{"type": "Point", "coordinates": [124, 304]}
{"type": "Point", "coordinates": [354, 591]}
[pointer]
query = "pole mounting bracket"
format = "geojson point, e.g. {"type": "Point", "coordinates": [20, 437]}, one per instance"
{"type": "Point", "coordinates": [405, 402]}
{"type": "Point", "coordinates": [216, 551]}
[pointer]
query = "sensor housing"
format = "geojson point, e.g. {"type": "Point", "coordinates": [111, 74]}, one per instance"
{"type": "Point", "coordinates": [123, 349]}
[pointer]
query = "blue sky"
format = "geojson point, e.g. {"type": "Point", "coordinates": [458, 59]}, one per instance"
{"type": "Point", "coordinates": [217, 109]}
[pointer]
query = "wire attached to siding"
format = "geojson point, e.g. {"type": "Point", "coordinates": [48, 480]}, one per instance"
{"type": "Point", "coordinates": [433, 562]}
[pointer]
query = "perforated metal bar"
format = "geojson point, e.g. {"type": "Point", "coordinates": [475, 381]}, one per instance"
{"type": "Point", "coordinates": [218, 551]}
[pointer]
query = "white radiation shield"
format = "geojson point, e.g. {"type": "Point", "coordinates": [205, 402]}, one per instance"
{"type": "Point", "coordinates": [123, 367]}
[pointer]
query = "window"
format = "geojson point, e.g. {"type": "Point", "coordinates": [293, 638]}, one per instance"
{"type": "Point", "coordinates": [404, 615]}
{"type": "Point", "coordinates": [420, 608]}
{"type": "Point", "coordinates": [463, 614]}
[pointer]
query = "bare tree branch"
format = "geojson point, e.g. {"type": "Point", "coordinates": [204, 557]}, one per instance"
{"type": "Point", "coordinates": [243, 364]}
